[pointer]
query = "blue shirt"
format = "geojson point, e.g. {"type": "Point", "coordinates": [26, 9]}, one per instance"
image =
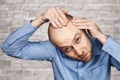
{"type": "Point", "coordinates": [64, 68]}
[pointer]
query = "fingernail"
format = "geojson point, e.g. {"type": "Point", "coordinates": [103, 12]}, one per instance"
{"type": "Point", "coordinates": [60, 26]}
{"type": "Point", "coordinates": [66, 21]}
{"type": "Point", "coordinates": [55, 27]}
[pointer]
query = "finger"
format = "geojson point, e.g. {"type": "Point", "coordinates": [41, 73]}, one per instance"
{"type": "Point", "coordinates": [59, 18]}
{"type": "Point", "coordinates": [80, 20]}
{"type": "Point", "coordinates": [65, 11]}
{"type": "Point", "coordinates": [61, 21]}
{"type": "Point", "coordinates": [81, 24]}
{"type": "Point", "coordinates": [51, 18]}
{"type": "Point", "coordinates": [62, 15]}
{"type": "Point", "coordinates": [84, 27]}
{"type": "Point", "coordinates": [53, 23]}
{"type": "Point", "coordinates": [58, 23]}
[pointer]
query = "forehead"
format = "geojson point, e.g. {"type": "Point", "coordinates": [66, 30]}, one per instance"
{"type": "Point", "coordinates": [65, 35]}
{"type": "Point", "coordinates": [68, 29]}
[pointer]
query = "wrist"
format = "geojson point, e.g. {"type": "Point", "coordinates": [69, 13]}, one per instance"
{"type": "Point", "coordinates": [38, 21]}
{"type": "Point", "coordinates": [102, 38]}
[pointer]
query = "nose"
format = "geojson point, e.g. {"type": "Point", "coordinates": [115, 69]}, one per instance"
{"type": "Point", "coordinates": [78, 50]}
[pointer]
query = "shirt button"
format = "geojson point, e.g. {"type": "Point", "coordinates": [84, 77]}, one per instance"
{"type": "Point", "coordinates": [27, 30]}
{"type": "Point", "coordinates": [108, 50]}
{"type": "Point", "coordinates": [80, 74]}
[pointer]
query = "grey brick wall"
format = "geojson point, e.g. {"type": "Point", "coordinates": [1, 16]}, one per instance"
{"type": "Point", "coordinates": [14, 13]}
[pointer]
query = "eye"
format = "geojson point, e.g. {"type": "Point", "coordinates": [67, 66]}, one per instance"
{"type": "Point", "coordinates": [67, 49]}
{"type": "Point", "coordinates": [78, 40]}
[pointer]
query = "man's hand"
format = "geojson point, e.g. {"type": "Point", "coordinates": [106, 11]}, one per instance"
{"type": "Point", "coordinates": [55, 15]}
{"type": "Point", "coordinates": [92, 28]}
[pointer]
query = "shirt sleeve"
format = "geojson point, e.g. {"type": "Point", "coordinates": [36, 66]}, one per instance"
{"type": "Point", "coordinates": [17, 45]}
{"type": "Point", "coordinates": [113, 49]}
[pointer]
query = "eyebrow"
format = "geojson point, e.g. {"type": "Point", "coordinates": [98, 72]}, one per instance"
{"type": "Point", "coordinates": [72, 41]}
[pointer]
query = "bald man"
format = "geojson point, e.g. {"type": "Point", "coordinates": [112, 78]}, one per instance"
{"type": "Point", "coordinates": [77, 48]}
{"type": "Point", "coordinates": [72, 41]}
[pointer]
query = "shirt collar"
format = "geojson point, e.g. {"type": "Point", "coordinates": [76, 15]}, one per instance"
{"type": "Point", "coordinates": [96, 45]}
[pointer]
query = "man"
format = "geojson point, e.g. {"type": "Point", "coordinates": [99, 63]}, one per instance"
{"type": "Point", "coordinates": [77, 49]}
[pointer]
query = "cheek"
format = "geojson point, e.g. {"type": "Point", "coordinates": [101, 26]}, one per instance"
{"type": "Point", "coordinates": [71, 54]}
{"type": "Point", "coordinates": [85, 42]}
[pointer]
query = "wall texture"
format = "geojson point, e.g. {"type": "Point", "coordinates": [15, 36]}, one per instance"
{"type": "Point", "coordinates": [14, 13]}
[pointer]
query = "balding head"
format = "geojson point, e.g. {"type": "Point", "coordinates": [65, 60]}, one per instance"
{"type": "Point", "coordinates": [72, 41]}
{"type": "Point", "coordinates": [60, 34]}
{"type": "Point", "coordinates": [63, 35]}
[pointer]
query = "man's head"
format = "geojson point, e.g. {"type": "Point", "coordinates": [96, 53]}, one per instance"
{"type": "Point", "coordinates": [72, 41]}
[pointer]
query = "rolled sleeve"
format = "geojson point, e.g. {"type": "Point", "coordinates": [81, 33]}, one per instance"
{"type": "Point", "coordinates": [112, 47]}
{"type": "Point", "coordinates": [27, 30]}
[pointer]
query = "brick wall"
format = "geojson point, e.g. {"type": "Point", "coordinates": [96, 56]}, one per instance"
{"type": "Point", "coordinates": [14, 13]}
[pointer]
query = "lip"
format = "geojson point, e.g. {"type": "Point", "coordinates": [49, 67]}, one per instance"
{"type": "Point", "coordinates": [84, 57]}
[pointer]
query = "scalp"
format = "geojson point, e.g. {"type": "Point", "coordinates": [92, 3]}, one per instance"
{"type": "Point", "coordinates": [54, 33]}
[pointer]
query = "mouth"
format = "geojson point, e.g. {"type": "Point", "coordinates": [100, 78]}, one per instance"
{"type": "Point", "coordinates": [84, 57]}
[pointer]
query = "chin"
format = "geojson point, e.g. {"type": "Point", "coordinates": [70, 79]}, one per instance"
{"type": "Point", "coordinates": [88, 59]}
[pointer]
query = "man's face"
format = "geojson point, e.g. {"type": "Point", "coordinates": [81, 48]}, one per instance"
{"type": "Point", "coordinates": [73, 42]}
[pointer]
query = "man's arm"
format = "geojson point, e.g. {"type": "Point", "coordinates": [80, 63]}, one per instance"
{"type": "Point", "coordinates": [113, 48]}
{"type": "Point", "coordinates": [54, 15]}
{"type": "Point", "coordinates": [109, 44]}
{"type": "Point", "coordinates": [91, 27]}
{"type": "Point", "coordinates": [17, 44]}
